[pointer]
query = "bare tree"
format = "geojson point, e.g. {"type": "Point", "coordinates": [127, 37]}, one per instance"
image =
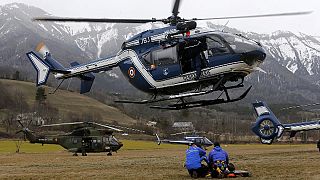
{"type": "Point", "coordinates": [18, 143]}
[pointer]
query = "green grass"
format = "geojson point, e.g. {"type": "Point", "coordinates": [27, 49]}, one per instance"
{"type": "Point", "coordinates": [9, 146]}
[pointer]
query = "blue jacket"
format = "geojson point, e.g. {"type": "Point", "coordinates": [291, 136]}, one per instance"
{"type": "Point", "coordinates": [194, 156]}
{"type": "Point", "coordinates": [218, 154]}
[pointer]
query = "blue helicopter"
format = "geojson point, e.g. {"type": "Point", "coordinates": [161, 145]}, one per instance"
{"type": "Point", "coordinates": [170, 63]}
{"type": "Point", "coordinates": [268, 127]}
{"type": "Point", "coordinates": [193, 138]}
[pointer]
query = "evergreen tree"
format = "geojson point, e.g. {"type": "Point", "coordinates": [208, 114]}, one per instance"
{"type": "Point", "coordinates": [16, 75]}
{"type": "Point", "coordinates": [40, 95]}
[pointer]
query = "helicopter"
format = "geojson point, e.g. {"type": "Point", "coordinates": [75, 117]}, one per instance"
{"type": "Point", "coordinates": [268, 127]}
{"type": "Point", "coordinates": [194, 138]}
{"type": "Point", "coordinates": [170, 63]}
{"type": "Point", "coordinates": [84, 138]}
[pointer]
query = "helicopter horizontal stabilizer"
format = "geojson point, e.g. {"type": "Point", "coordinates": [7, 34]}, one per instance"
{"type": "Point", "coordinates": [86, 79]}
{"type": "Point", "coordinates": [86, 82]}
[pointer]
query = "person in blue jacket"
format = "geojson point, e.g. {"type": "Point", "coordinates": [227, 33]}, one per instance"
{"type": "Point", "coordinates": [194, 157]}
{"type": "Point", "coordinates": [218, 160]}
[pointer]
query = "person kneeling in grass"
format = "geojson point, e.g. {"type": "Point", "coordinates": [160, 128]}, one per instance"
{"type": "Point", "coordinates": [194, 157]}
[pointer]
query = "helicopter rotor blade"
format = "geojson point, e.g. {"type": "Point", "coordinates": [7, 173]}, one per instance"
{"type": "Point", "coordinates": [62, 124]}
{"type": "Point", "coordinates": [20, 131]}
{"type": "Point", "coordinates": [180, 133]}
{"type": "Point", "coordinates": [96, 20]}
{"type": "Point", "coordinates": [131, 129]}
{"type": "Point", "coordinates": [106, 126]}
{"type": "Point", "coordinates": [29, 123]}
{"type": "Point", "coordinates": [78, 123]}
{"type": "Point", "coordinates": [300, 106]}
{"type": "Point", "coordinates": [20, 123]}
{"type": "Point", "coordinates": [175, 10]}
{"type": "Point", "coordinates": [255, 16]}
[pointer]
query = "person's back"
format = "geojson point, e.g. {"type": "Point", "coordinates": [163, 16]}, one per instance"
{"type": "Point", "coordinates": [218, 154]}
{"type": "Point", "coordinates": [218, 160]}
{"type": "Point", "coordinates": [194, 156]}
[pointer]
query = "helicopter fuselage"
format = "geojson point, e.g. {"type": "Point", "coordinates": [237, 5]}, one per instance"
{"type": "Point", "coordinates": [80, 140]}
{"type": "Point", "coordinates": [164, 61]}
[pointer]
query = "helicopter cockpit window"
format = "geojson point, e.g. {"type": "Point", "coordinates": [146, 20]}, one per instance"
{"type": "Point", "coordinates": [216, 46]}
{"type": "Point", "coordinates": [147, 59]}
{"type": "Point", "coordinates": [239, 43]}
{"type": "Point", "coordinates": [104, 139]}
{"type": "Point", "coordinates": [207, 141]}
{"type": "Point", "coordinates": [162, 57]}
{"type": "Point", "coordinates": [115, 138]}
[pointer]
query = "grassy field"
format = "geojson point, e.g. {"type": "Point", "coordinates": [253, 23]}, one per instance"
{"type": "Point", "coordinates": [147, 160]}
{"type": "Point", "coordinates": [67, 102]}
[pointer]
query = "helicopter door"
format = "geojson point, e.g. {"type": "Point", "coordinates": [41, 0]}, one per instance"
{"type": "Point", "coordinates": [192, 55]}
{"type": "Point", "coordinates": [163, 63]}
{"type": "Point", "coordinates": [87, 143]}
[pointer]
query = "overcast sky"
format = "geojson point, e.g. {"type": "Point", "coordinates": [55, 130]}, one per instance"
{"type": "Point", "coordinates": [309, 24]}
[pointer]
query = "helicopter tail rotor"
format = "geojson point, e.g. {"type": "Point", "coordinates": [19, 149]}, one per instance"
{"type": "Point", "coordinates": [158, 139]}
{"type": "Point", "coordinates": [24, 135]}
{"type": "Point", "coordinates": [27, 134]}
{"type": "Point", "coordinates": [267, 125]}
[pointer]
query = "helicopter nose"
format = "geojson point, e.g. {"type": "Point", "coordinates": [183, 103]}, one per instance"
{"type": "Point", "coordinates": [120, 144]}
{"type": "Point", "coordinates": [252, 57]}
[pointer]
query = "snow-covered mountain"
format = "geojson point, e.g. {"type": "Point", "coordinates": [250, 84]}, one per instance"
{"type": "Point", "coordinates": [299, 53]}
{"type": "Point", "coordinates": [292, 66]}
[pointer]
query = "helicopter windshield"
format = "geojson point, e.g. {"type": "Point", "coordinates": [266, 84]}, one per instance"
{"type": "Point", "coordinates": [216, 46]}
{"type": "Point", "coordinates": [239, 43]}
{"type": "Point", "coordinates": [207, 141]}
{"type": "Point", "coordinates": [113, 140]}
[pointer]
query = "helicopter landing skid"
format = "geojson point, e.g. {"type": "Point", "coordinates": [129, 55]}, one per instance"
{"type": "Point", "coordinates": [199, 103]}
{"type": "Point", "coordinates": [178, 96]}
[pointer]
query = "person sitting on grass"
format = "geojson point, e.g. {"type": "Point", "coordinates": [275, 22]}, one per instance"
{"type": "Point", "coordinates": [218, 161]}
{"type": "Point", "coordinates": [194, 157]}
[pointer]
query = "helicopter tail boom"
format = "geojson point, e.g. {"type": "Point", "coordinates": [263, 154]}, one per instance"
{"type": "Point", "coordinates": [46, 65]}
